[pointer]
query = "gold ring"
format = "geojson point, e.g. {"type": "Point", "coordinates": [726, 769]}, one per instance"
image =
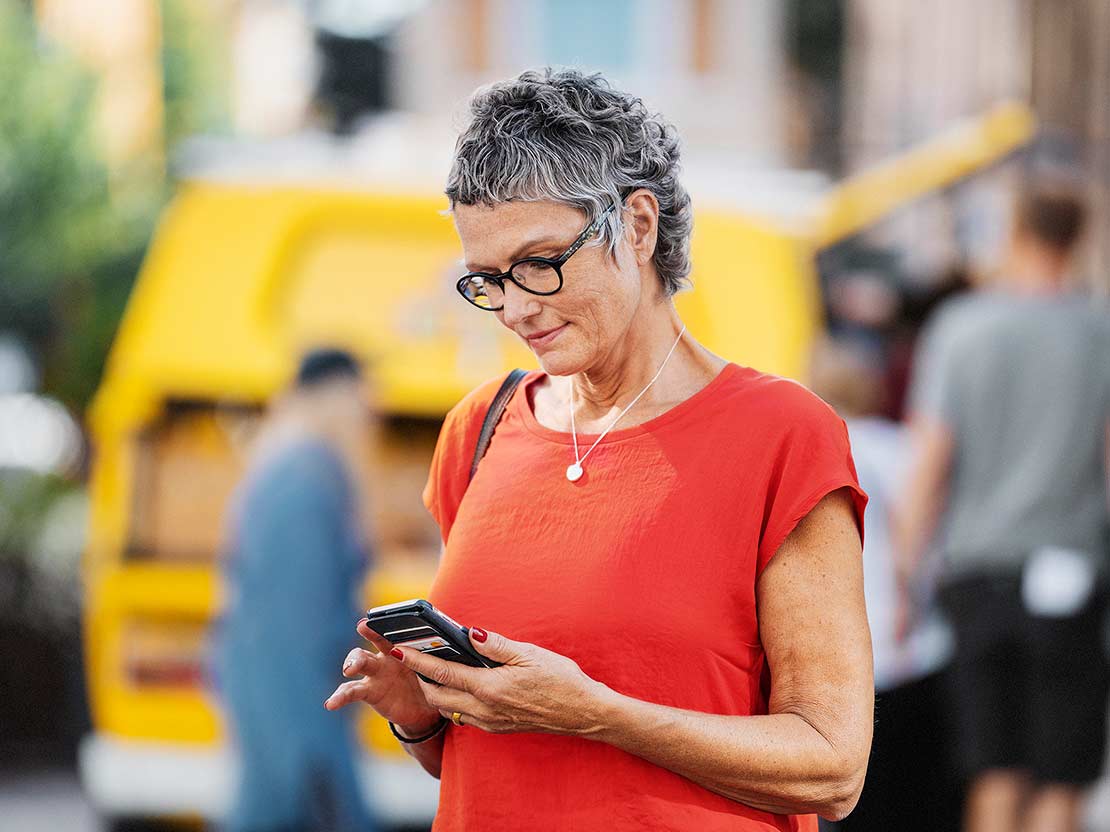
{"type": "Point", "coordinates": [456, 718]}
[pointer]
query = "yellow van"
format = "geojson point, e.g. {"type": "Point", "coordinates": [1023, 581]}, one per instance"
{"type": "Point", "coordinates": [239, 279]}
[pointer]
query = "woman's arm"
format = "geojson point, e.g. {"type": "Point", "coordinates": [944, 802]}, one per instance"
{"type": "Point", "coordinates": [808, 755]}
{"type": "Point", "coordinates": [429, 753]}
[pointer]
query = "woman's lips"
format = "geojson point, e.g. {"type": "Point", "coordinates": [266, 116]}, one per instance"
{"type": "Point", "coordinates": [543, 340]}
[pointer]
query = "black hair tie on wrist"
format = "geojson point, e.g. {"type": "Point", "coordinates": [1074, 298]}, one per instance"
{"type": "Point", "coordinates": [414, 740]}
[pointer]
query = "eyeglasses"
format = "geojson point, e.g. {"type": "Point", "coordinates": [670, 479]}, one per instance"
{"type": "Point", "coordinates": [535, 275]}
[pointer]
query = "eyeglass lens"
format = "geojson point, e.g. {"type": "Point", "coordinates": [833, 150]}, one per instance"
{"type": "Point", "coordinates": [531, 275]}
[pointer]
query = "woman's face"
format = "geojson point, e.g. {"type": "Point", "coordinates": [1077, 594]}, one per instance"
{"type": "Point", "coordinates": [577, 327]}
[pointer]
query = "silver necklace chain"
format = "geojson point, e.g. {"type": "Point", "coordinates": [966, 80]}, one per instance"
{"type": "Point", "coordinates": [575, 470]}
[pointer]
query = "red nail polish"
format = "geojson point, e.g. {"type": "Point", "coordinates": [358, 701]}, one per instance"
{"type": "Point", "coordinates": [479, 634]}
{"type": "Point", "coordinates": [397, 654]}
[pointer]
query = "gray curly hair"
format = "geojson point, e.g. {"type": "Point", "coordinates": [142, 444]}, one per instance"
{"type": "Point", "coordinates": [572, 138]}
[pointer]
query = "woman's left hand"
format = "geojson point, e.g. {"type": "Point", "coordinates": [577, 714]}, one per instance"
{"type": "Point", "coordinates": [533, 690]}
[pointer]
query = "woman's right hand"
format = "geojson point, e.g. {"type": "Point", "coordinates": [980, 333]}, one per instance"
{"type": "Point", "coordinates": [384, 684]}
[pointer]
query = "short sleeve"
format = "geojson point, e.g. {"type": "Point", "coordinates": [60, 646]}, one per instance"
{"type": "Point", "coordinates": [436, 484]}
{"type": "Point", "coordinates": [813, 459]}
{"type": "Point", "coordinates": [449, 474]}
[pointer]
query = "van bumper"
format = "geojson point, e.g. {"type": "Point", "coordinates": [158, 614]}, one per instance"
{"type": "Point", "coordinates": [132, 778]}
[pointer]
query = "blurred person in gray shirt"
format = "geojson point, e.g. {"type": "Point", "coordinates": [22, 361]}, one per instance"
{"type": "Point", "coordinates": [1010, 426]}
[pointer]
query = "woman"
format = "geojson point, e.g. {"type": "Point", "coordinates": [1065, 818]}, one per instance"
{"type": "Point", "coordinates": [666, 544]}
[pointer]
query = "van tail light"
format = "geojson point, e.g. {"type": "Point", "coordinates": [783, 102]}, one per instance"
{"type": "Point", "coordinates": [164, 654]}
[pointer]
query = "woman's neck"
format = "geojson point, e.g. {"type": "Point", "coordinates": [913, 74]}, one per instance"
{"type": "Point", "coordinates": [605, 389]}
{"type": "Point", "coordinates": [628, 367]}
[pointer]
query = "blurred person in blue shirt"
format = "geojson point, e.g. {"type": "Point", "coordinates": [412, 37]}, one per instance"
{"type": "Point", "coordinates": [1010, 426]}
{"type": "Point", "coordinates": [296, 559]}
{"type": "Point", "coordinates": [909, 783]}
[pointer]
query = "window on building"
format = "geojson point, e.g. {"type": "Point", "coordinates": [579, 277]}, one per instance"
{"type": "Point", "coordinates": [588, 34]}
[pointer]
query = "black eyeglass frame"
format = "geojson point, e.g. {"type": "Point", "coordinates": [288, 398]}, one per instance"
{"type": "Point", "coordinates": [555, 263]}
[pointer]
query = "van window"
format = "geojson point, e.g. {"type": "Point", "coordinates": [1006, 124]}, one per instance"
{"type": "Point", "coordinates": [188, 464]}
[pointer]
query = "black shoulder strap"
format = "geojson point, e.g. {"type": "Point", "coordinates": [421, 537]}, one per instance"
{"type": "Point", "coordinates": [493, 416]}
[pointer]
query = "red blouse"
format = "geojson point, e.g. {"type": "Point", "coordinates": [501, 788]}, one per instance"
{"type": "Point", "coordinates": [652, 555]}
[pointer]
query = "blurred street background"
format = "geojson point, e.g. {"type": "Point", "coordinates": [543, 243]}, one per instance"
{"type": "Point", "coordinates": [192, 192]}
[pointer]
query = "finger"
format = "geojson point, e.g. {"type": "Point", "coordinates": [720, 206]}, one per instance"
{"type": "Point", "coordinates": [479, 721]}
{"type": "Point", "coordinates": [359, 662]}
{"type": "Point", "coordinates": [345, 694]}
{"type": "Point", "coordinates": [382, 644]}
{"type": "Point", "coordinates": [450, 699]}
{"type": "Point", "coordinates": [495, 646]}
{"type": "Point", "coordinates": [472, 712]}
{"type": "Point", "coordinates": [450, 674]}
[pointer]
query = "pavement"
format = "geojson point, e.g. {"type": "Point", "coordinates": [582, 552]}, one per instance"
{"type": "Point", "coordinates": [48, 801]}
{"type": "Point", "coordinates": [52, 801]}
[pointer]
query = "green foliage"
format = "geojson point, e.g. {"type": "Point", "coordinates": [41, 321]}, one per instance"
{"type": "Point", "coordinates": [53, 189]}
{"type": "Point", "coordinates": [194, 73]}
{"type": "Point", "coordinates": [61, 225]}
{"type": "Point", "coordinates": [87, 310]}
{"type": "Point", "coordinates": [25, 498]}
{"type": "Point", "coordinates": [72, 233]}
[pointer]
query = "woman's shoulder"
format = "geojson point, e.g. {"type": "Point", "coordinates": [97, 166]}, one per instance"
{"type": "Point", "coordinates": [765, 399]}
{"type": "Point", "coordinates": [450, 472]}
{"type": "Point", "coordinates": [463, 422]}
{"type": "Point", "coordinates": [468, 414]}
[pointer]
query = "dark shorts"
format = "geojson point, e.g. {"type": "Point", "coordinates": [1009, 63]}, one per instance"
{"type": "Point", "coordinates": [1028, 692]}
{"type": "Point", "coordinates": [910, 786]}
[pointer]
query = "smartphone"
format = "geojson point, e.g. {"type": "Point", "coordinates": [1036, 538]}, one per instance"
{"type": "Point", "coordinates": [417, 624]}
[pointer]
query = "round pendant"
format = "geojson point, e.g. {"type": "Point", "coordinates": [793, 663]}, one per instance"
{"type": "Point", "coordinates": [574, 472]}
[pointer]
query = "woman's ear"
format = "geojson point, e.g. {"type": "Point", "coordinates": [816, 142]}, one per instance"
{"type": "Point", "coordinates": [641, 222]}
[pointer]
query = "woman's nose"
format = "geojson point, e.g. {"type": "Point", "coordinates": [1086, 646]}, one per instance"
{"type": "Point", "coordinates": [518, 305]}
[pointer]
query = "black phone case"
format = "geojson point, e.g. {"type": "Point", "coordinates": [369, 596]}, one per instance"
{"type": "Point", "coordinates": [417, 621]}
